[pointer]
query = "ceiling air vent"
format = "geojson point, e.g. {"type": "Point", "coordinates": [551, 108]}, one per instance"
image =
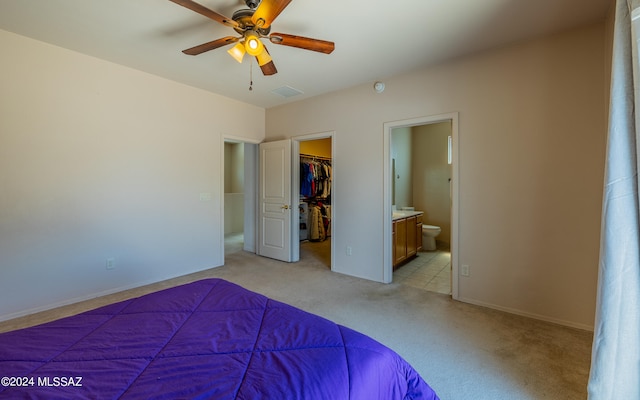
{"type": "Point", "coordinates": [286, 91]}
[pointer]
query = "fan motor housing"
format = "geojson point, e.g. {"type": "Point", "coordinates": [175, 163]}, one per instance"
{"type": "Point", "coordinates": [243, 18]}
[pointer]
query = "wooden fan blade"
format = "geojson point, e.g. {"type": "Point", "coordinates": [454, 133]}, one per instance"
{"type": "Point", "coordinates": [200, 9]}
{"type": "Point", "coordinates": [194, 51]}
{"type": "Point", "coordinates": [269, 68]}
{"type": "Point", "coordinates": [267, 11]}
{"type": "Point", "coordinates": [321, 46]}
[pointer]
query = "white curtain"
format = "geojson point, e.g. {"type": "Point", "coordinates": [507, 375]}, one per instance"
{"type": "Point", "coordinates": [615, 362]}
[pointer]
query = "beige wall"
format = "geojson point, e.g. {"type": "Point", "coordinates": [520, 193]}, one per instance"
{"type": "Point", "coordinates": [100, 161]}
{"type": "Point", "coordinates": [431, 175]}
{"type": "Point", "coordinates": [233, 213]}
{"type": "Point", "coordinates": [401, 143]}
{"type": "Point", "coordinates": [233, 187]}
{"type": "Point", "coordinates": [233, 167]}
{"type": "Point", "coordinates": [531, 153]}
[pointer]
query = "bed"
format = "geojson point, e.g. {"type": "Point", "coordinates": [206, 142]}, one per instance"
{"type": "Point", "coordinates": [209, 339]}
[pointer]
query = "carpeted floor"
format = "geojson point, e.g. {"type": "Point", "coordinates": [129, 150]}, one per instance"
{"type": "Point", "coordinates": [462, 351]}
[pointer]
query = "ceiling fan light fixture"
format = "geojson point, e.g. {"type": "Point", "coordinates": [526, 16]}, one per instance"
{"type": "Point", "coordinates": [237, 52]}
{"type": "Point", "coordinates": [252, 44]}
{"type": "Point", "coordinates": [252, 25]}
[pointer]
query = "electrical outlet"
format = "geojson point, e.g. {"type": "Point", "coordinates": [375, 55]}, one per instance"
{"type": "Point", "coordinates": [464, 271]}
{"type": "Point", "coordinates": [111, 263]}
{"type": "Point", "coordinates": [349, 250]}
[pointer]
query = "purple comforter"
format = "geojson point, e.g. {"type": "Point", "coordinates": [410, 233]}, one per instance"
{"type": "Point", "coordinates": [209, 339]}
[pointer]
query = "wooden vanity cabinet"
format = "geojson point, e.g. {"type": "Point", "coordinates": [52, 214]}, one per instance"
{"type": "Point", "coordinates": [400, 242]}
{"type": "Point", "coordinates": [407, 238]}
{"type": "Point", "coordinates": [393, 243]}
{"type": "Point", "coordinates": [412, 247]}
{"type": "Point", "coordinates": [419, 232]}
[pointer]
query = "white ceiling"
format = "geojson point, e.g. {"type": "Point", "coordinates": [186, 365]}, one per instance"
{"type": "Point", "coordinates": [374, 40]}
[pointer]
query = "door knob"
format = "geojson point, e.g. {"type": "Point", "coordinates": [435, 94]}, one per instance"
{"type": "Point", "coordinates": [286, 206]}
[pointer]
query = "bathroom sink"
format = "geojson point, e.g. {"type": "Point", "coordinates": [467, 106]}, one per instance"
{"type": "Point", "coordinates": [404, 214]}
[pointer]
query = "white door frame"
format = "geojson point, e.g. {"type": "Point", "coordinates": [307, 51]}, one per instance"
{"type": "Point", "coordinates": [387, 187]}
{"type": "Point", "coordinates": [295, 189]}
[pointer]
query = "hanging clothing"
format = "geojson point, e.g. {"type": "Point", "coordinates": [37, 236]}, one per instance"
{"type": "Point", "coordinates": [315, 178]}
{"type": "Point", "coordinates": [306, 178]}
{"type": "Point", "coordinates": [326, 219]}
{"type": "Point", "coordinates": [326, 189]}
{"type": "Point", "coordinates": [316, 225]}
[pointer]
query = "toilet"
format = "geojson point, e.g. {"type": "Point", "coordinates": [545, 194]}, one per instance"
{"type": "Point", "coordinates": [429, 233]}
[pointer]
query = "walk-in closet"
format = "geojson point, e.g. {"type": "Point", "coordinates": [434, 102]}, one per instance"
{"type": "Point", "coordinates": [316, 173]}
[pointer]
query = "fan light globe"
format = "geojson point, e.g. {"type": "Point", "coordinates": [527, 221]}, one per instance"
{"type": "Point", "coordinates": [237, 52]}
{"type": "Point", "coordinates": [252, 44]}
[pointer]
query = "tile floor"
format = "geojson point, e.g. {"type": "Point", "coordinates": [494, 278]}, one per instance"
{"type": "Point", "coordinates": [429, 270]}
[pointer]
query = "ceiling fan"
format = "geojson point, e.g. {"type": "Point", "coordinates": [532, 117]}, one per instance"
{"type": "Point", "coordinates": [253, 24]}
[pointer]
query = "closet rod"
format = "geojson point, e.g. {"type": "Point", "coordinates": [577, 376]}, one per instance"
{"type": "Point", "coordinates": [315, 157]}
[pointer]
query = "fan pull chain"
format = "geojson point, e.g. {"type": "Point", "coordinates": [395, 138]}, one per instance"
{"type": "Point", "coordinates": [251, 76]}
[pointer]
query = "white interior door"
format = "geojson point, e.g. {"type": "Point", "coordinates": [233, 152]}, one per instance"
{"type": "Point", "coordinates": [275, 215]}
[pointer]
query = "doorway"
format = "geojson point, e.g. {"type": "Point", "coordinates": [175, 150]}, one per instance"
{"type": "Point", "coordinates": [313, 188]}
{"type": "Point", "coordinates": [239, 188]}
{"type": "Point", "coordinates": [421, 181]}
{"type": "Point", "coordinates": [432, 190]}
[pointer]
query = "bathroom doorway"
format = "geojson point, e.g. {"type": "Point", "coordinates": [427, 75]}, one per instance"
{"type": "Point", "coordinates": [421, 173]}
{"type": "Point", "coordinates": [240, 163]}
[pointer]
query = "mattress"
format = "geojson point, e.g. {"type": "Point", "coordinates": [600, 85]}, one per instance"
{"type": "Point", "coordinates": [209, 339]}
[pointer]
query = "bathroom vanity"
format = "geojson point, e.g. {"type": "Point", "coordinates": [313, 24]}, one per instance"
{"type": "Point", "coordinates": [406, 236]}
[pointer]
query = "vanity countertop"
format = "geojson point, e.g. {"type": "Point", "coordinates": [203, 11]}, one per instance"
{"type": "Point", "coordinates": [405, 214]}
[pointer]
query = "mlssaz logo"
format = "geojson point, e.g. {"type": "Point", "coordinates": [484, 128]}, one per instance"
{"type": "Point", "coordinates": [60, 381]}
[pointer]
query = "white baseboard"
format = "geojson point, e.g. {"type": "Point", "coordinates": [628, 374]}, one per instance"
{"type": "Point", "coordinates": [90, 296]}
{"type": "Point", "coordinates": [557, 321]}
